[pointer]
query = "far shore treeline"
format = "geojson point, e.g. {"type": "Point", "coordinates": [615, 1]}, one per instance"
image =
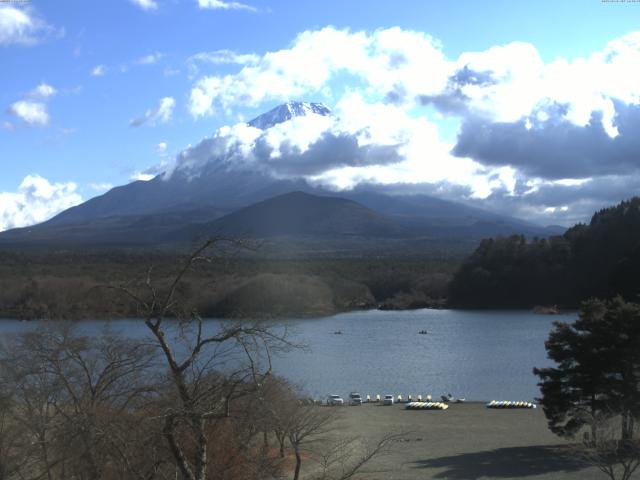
{"type": "Point", "coordinates": [75, 286]}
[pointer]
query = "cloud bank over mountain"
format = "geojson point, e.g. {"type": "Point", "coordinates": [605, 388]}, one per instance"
{"type": "Point", "coordinates": [549, 140]}
{"type": "Point", "coordinates": [544, 140]}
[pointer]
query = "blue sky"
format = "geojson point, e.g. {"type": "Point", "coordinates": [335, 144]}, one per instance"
{"type": "Point", "coordinates": [111, 64]}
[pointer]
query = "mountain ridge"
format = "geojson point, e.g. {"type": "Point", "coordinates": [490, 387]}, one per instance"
{"type": "Point", "coordinates": [172, 206]}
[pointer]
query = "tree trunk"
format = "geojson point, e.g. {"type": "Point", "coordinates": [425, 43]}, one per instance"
{"type": "Point", "coordinates": [296, 473]}
{"type": "Point", "coordinates": [201, 449]}
{"type": "Point", "coordinates": [626, 433]}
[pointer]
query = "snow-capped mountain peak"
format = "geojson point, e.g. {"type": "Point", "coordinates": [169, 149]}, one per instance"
{"type": "Point", "coordinates": [287, 111]}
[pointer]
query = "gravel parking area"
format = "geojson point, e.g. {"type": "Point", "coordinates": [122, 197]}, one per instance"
{"type": "Point", "coordinates": [467, 441]}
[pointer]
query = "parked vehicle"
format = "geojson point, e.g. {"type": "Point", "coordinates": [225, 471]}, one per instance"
{"type": "Point", "coordinates": [388, 400]}
{"type": "Point", "coordinates": [355, 398]}
{"type": "Point", "coordinates": [335, 400]}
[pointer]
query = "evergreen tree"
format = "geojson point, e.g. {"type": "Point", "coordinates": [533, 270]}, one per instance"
{"type": "Point", "coordinates": [598, 369]}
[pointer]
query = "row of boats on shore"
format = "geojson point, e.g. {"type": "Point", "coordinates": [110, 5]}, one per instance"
{"type": "Point", "coordinates": [426, 406]}
{"type": "Point", "coordinates": [509, 404]}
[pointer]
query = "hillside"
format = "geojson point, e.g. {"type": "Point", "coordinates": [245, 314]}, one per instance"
{"type": "Point", "coordinates": [600, 259]}
{"type": "Point", "coordinates": [299, 213]}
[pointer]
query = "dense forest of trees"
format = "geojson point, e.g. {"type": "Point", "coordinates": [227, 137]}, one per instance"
{"type": "Point", "coordinates": [66, 285]}
{"type": "Point", "coordinates": [600, 259]}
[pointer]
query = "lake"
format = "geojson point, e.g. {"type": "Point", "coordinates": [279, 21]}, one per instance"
{"type": "Point", "coordinates": [480, 355]}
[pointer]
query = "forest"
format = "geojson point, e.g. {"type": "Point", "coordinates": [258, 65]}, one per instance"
{"type": "Point", "coordinates": [76, 285]}
{"type": "Point", "coordinates": [600, 259]}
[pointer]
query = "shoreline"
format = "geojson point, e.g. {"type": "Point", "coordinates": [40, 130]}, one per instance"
{"type": "Point", "coordinates": [298, 315]}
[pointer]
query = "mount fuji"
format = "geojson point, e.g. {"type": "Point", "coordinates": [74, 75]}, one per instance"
{"type": "Point", "coordinates": [287, 111]}
{"type": "Point", "coordinates": [170, 210]}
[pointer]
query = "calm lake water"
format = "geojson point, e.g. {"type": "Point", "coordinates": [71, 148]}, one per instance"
{"type": "Point", "coordinates": [480, 355]}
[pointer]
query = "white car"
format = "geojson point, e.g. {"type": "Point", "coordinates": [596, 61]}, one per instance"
{"type": "Point", "coordinates": [388, 400]}
{"type": "Point", "coordinates": [335, 400]}
{"type": "Point", "coordinates": [355, 398]}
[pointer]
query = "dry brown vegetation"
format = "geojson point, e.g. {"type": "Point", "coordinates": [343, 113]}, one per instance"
{"type": "Point", "coordinates": [67, 286]}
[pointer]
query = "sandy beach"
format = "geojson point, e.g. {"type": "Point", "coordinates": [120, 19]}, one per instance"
{"type": "Point", "coordinates": [467, 441]}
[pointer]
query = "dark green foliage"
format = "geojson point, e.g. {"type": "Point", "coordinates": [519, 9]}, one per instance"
{"type": "Point", "coordinates": [513, 272]}
{"type": "Point", "coordinates": [596, 260]}
{"type": "Point", "coordinates": [598, 369]}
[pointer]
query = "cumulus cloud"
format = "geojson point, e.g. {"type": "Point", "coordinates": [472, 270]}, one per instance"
{"type": "Point", "coordinates": [30, 112]}
{"type": "Point", "coordinates": [32, 109]}
{"type": "Point", "coordinates": [22, 26]}
{"type": "Point", "coordinates": [224, 5]}
{"type": "Point", "coordinates": [564, 127]}
{"type": "Point", "coordinates": [161, 114]}
{"type": "Point", "coordinates": [387, 62]}
{"type": "Point", "coordinates": [555, 148]}
{"type": "Point", "coordinates": [145, 4]}
{"type": "Point", "coordinates": [35, 200]}
{"type": "Point", "coordinates": [377, 144]}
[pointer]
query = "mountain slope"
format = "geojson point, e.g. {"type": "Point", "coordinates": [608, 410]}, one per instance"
{"type": "Point", "coordinates": [188, 201]}
{"type": "Point", "coordinates": [299, 213]}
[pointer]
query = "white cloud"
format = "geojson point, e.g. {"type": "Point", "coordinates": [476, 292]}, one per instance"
{"type": "Point", "coordinates": [386, 62]}
{"type": "Point", "coordinates": [506, 83]}
{"type": "Point", "coordinates": [32, 109]}
{"type": "Point", "coordinates": [149, 59]}
{"type": "Point", "coordinates": [21, 26]}
{"type": "Point", "coordinates": [224, 57]}
{"type": "Point", "coordinates": [98, 71]}
{"type": "Point", "coordinates": [42, 91]}
{"type": "Point", "coordinates": [141, 177]}
{"type": "Point", "coordinates": [379, 83]}
{"type": "Point", "coordinates": [101, 187]}
{"type": "Point", "coordinates": [511, 83]}
{"type": "Point", "coordinates": [220, 57]}
{"type": "Point", "coordinates": [30, 112]}
{"type": "Point", "coordinates": [162, 113]}
{"type": "Point", "coordinates": [361, 142]}
{"type": "Point", "coordinates": [35, 200]}
{"type": "Point", "coordinates": [161, 148]}
{"type": "Point", "coordinates": [224, 5]}
{"type": "Point", "coordinates": [145, 4]}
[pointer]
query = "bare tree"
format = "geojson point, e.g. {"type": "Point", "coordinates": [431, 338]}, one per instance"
{"type": "Point", "coordinates": [193, 355]}
{"type": "Point", "coordinates": [311, 429]}
{"type": "Point", "coordinates": [603, 446]}
{"type": "Point", "coordinates": [74, 399]}
{"type": "Point", "coordinates": [345, 458]}
{"type": "Point", "coordinates": [307, 426]}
